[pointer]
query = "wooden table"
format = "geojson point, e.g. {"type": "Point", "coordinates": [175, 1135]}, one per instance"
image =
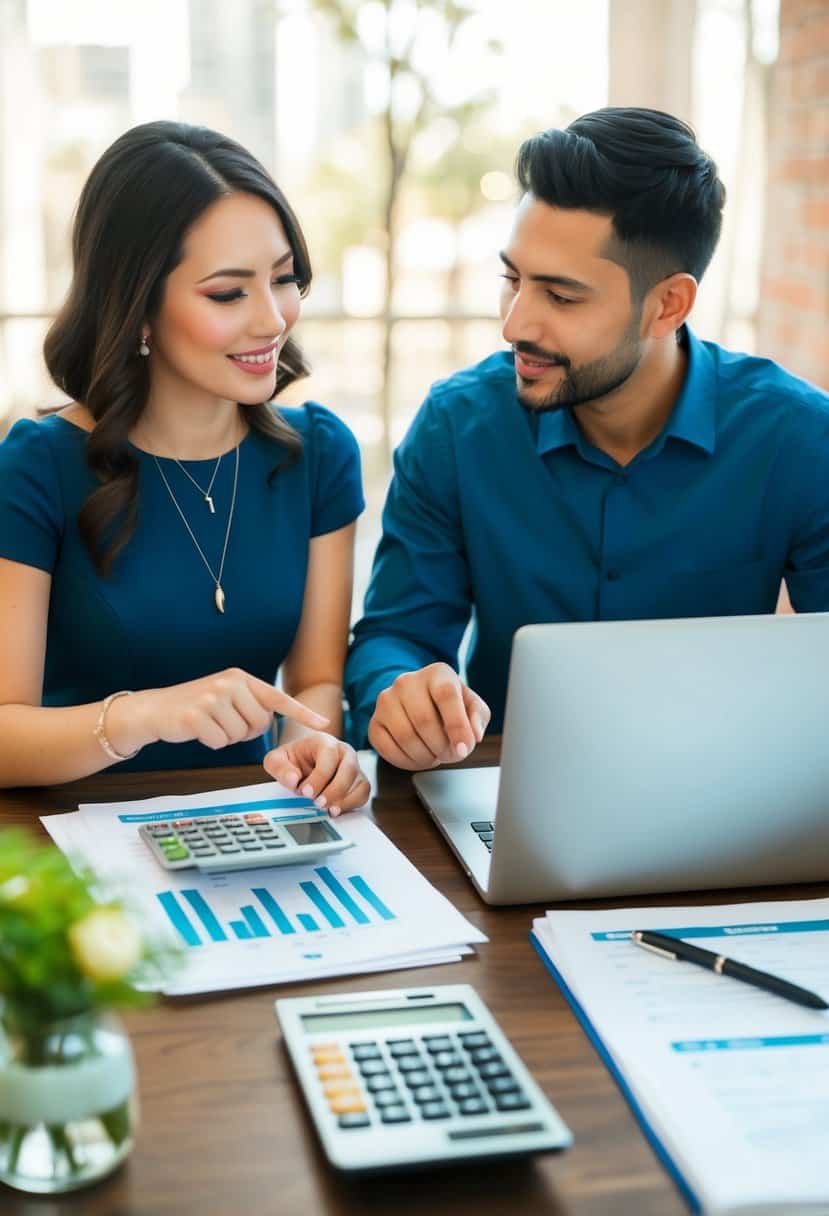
{"type": "Point", "coordinates": [223, 1129]}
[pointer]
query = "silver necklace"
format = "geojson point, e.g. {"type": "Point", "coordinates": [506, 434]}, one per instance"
{"type": "Point", "coordinates": [218, 594]}
{"type": "Point", "coordinates": [204, 493]}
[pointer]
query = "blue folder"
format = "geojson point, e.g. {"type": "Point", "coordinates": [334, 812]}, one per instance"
{"type": "Point", "coordinates": [613, 1068]}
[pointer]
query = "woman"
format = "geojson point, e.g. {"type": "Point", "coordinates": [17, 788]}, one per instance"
{"type": "Point", "coordinates": [169, 540]}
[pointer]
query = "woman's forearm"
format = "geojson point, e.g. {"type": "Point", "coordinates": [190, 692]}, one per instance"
{"type": "Point", "coordinates": [326, 699]}
{"type": "Point", "coordinates": [44, 745]}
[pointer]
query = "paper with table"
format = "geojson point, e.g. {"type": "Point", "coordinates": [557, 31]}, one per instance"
{"type": "Point", "coordinates": [367, 909]}
{"type": "Point", "coordinates": [731, 1083]}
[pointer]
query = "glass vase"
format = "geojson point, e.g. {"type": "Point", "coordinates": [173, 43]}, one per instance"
{"type": "Point", "coordinates": [67, 1102]}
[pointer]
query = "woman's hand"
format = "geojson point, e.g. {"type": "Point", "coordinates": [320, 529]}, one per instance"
{"type": "Point", "coordinates": [321, 767]}
{"type": "Point", "coordinates": [228, 707]}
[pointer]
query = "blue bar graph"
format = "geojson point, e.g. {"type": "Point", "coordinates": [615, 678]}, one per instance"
{"type": "Point", "coordinates": [254, 920]}
{"type": "Point", "coordinates": [273, 910]}
{"type": "Point", "coordinates": [180, 922]}
{"type": "Point", "coordinates": [202, 909]}
{"type": "Point", "coordinates": [316, 897]}
{"type": "Point", "coordinates": [342, 895]}
{"type": "Point", "coordinates": [251, 924]}
{"type": "Point", "coordinates": [359, 884]}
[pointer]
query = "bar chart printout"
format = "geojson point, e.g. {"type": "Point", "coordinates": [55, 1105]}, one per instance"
{"type": "Point", "coordinates": [331, 905]}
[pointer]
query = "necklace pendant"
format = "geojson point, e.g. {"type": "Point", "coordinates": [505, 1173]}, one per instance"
{"type": "Point", "coordinates": [219, 597]}
{"type": "Point", "coordinates": [209, 502]}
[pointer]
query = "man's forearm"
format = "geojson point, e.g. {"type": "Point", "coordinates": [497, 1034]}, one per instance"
{"type": "Point", "coordinates": [373, 664]}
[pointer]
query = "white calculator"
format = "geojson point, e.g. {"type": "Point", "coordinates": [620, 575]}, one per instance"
{"type": "Point", "coordinates": [414, 1076]}
{"type": "Point", "coordinates": [219, 842]}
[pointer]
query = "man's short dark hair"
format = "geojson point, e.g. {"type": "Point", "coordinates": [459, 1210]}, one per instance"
{"type": "Point", "coordinates": [646, 171]}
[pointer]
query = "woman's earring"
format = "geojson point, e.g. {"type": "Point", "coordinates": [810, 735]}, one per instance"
{"type": "Point", "coordinates": [144, 348]}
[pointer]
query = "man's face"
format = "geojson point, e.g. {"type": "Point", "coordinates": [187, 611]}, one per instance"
{"type": "Point", "coordinates": [567, 310]}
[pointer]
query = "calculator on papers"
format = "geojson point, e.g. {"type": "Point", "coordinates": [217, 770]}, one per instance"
{"type": "Point", "coordinates": [242, 841]}
{"type": "Point", "coordinates": [414, 1076]}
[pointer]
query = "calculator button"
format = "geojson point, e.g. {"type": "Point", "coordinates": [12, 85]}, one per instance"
{"type": "Point", "coordinates": [503, 1085]}
{"type": "Point", "coordinates": [410, 1063]}
{"type": "Point", "coordinates": [464, 1090]}
{"type": "Point", "coordinates": [376, 1085]}
{"type": "Point", "coordinates": [488, 845]}
{"type": "Point", "coordinates": [483, 825]}
{"type": "Point", "coordinates": [446, 1059]}
{"type": "Point", "coordinates": [454, 1076]}
{"type": "Point", "coordinates": [486, 837]}
{"type": "Point", "coordinates": [327, 1053]}
{"type": "Point", "coordinates": [435, 1043]}
{"type": "Point", "coordinates": [435, 1110]}
{"type": "Point", "coordinates": [425, 1093]}
{"type": "Point", "coordinates": [402, 1047]}
{"type": "Point", "coordinates": [512, 1102]}
{"type": "Point", "coordinates": [203, 851]}
{"type": "Point", "coordinates": [475, 1038]}
{"type": "Point", "coordinates": [366, 1051]}
{"type": "Point", "coordinates": [395, 1114]}
{"type": "Point", "coordinates": [161, 828]}
{"type": "Point", "coordinates": [482, 1055]}
{"type": "Point", "coordinates": [342, 1089]}
{"type": "Point", "coordinates": [473, 1106]}
{"type": "Point", "coordinates": [334, 1072]}
{"type": "Point", "coordinates": [497, 1068]}
{"type": "Point", "coordinates": [346, 1104]}
{"type": "Point", "coordinates": [420, 1077]}
{"type": "Point", "coordinates": [386, 1097]}
{"type": "Point", "coordinates": [373, 1068]}
{"type": "Point", "coordinates": [229, 848]}
{"type": "Point", "coordinates": [353, 1119]}
{"type": "Point", "coordinates": [178, 853]}
{"type": "Point", "coordinates": [251, 848]}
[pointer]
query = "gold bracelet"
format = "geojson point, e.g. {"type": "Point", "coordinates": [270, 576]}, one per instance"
{"type": "Point", "coordinates": [100, 733]}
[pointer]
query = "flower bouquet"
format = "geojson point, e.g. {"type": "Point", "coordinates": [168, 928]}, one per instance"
{"type": "Point", "coordinates": [68, 957]}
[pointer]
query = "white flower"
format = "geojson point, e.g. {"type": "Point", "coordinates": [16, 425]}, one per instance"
{"type": "Point", "coordinates": [106, 944]}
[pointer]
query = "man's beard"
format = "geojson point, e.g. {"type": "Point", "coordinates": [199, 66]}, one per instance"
{"type": "Point", "coordinates": [592, 380]}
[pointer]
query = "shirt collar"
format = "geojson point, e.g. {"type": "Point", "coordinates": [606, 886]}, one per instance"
{"type": "Point", "coordinates": [693, 418]}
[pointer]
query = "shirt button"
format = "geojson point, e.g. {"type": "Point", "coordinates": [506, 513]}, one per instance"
{"type": "Point", "coordinates": [613, 576]}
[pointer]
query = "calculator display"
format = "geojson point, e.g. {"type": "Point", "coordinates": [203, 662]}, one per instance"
{"type": "Point", "coordinates": [369, 1019]}
{"type": "Point", "coordinates": [315, 832]}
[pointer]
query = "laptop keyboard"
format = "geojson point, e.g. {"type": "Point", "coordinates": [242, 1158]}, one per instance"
{"type": "Point", "coordinates": [484, 830]}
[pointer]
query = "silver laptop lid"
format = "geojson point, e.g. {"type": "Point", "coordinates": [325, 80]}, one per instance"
{"type": "Point", "coordinates": [664, 755]}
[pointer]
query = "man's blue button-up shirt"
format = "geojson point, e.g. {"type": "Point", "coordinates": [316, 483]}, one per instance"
{"type": "Point", "coordinates": [516, 518]}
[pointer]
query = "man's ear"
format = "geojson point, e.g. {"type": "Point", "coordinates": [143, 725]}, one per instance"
{"type": "Point", "coordinates": [668, 304]}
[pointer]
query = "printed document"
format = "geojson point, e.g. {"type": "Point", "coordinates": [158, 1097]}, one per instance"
{"type": "Point", "coordinates": [733, 1081]}
{"type": "Point", "coordinates": [365, 909]}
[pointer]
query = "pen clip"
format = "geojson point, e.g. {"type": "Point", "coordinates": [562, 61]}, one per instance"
{"type": "Point", "coordinates": [637, 939]}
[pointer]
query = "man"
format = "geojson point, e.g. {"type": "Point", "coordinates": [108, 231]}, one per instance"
{"type": "Point", "coordinates": [610, 466]}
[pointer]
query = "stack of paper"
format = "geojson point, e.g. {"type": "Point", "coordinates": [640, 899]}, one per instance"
{"type": "Point", "coordinates": [731, 1083]}
{"type": "Point", "coordinates": [366, 909]}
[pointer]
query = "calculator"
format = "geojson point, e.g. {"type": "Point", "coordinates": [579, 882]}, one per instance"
{"type": "Point", "coordinates": [414, 1076]}
{"type": "Point", "coordinates": [242, 841]}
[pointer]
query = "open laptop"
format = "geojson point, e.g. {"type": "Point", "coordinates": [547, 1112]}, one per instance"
{"type": "Point", "coordinates": [643, 756]}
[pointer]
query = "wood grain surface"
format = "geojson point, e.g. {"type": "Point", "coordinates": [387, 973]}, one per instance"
{"type": "Point", "coordinates": [223, 1129]}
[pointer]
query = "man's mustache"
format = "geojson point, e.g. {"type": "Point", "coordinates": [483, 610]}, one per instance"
{"type": "Point", "coordinates": [535, 352]}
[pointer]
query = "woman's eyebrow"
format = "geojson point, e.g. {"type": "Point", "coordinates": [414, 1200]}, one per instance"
{"type": "Point", "coordinates": [237, 273]}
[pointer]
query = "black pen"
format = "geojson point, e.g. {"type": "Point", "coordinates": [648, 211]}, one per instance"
{"type": "Point", "coordinates": [676, 948]}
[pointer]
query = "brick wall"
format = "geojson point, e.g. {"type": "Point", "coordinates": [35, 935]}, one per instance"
{"type": "Point", "coordinates": [793, 320]}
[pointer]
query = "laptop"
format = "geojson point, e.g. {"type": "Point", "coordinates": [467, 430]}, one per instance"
{"type": "Point", "coordinates": [650, 756]}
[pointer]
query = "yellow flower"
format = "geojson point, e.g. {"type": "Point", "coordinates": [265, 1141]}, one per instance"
{"type": "Point", "coordinates": [106, 944]}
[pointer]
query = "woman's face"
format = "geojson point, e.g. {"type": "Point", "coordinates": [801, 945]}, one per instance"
{"type": "Point", "coordinates": [228, 306]}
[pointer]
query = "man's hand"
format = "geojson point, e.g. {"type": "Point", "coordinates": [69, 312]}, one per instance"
{"type": "Point", "coordinates": [426, 718]}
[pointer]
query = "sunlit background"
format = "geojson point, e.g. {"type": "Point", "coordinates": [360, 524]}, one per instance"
{"type": "Point", "coordinates": [392, 126]}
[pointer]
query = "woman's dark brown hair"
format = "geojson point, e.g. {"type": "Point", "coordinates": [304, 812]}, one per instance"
{"type": "Point", "coordinates": [141, 197]}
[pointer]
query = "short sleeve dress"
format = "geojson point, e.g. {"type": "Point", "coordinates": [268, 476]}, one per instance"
{"type": "Point", "coordinates": [153, 622]}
